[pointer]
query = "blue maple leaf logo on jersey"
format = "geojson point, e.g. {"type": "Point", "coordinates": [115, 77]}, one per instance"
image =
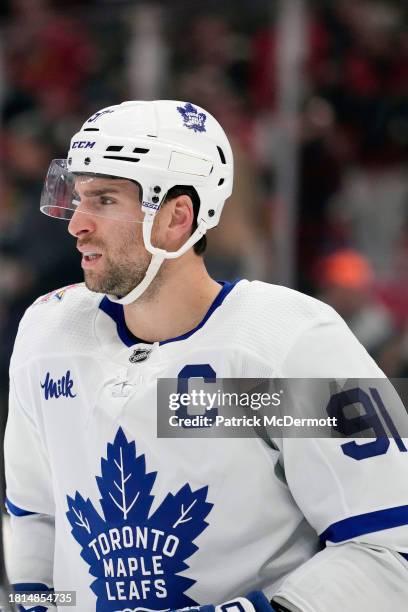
{"type": "Point", "coordinates": [192, 118]}
{"type": "Point", "coordinates": [135, 556]}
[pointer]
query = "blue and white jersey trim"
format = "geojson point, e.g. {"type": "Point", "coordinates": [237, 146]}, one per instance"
{"type": "Point", "coordinates": [361, 524]}
{"type": "Point", "coordinates": [116, 313]}
{"type": "Point", "coordinates": [16, 511]}
{"type": "Point", "coordinates": [37, 587]}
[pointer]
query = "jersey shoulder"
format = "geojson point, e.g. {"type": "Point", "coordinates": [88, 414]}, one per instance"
{"type": "Point", "coordinates": [59, 321]}
{"type": "Point", "coordinates": [266, 319]}
{"type": "Point", "coordinates": [264, 305]}
{"type": "Point", "coordinates": [283, 302]}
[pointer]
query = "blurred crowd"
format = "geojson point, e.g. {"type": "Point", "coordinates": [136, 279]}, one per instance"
{"type": "Point", "coordinates": [59, 62]}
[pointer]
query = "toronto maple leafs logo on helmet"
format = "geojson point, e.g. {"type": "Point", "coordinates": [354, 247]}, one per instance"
{"type": "Point", "coordinates": [192, 119]}
{"type": "Point", "coordinates": [136, 556]}
{"type": "Point", "coordinates": [98, 114]}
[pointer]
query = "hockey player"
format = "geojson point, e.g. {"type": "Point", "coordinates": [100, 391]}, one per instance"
{"type": "Point", "coordinates": [99, 504]}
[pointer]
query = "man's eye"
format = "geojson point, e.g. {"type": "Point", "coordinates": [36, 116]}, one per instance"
{"type": "Point", "coordinates": [105, 200]}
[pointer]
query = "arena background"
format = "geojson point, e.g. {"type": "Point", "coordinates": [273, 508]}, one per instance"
{"type": "Point", "coordinates": [314, 97]}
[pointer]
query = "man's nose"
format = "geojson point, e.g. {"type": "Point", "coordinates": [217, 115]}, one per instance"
{"type": "Point", "coordinates": [81, 223]}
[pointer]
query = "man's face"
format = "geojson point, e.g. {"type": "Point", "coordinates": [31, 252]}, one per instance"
{"type": "Point", "coordinates": [108, 228]}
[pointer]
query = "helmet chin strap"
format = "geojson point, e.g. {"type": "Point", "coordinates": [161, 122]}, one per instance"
{"type": "Point", "coordinates": [133, 295]}
{"type": "Point", "coordinates": [156, 261]}
{"type": "Point", "coordinates": [158, 256]}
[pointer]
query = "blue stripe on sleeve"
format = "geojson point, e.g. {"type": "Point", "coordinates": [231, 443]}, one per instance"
{"type": "Point", "coordinates": [366, 523]}
{"type": "Point", "coordinates": [26, 587]}
{"type": "Point", "coordinates": [255, 601]}
{"type": "Point", "coordinates": [32, 587]}
{"type": "Point", "coordinates": [259, 601]}
{"type": "Point", "coordinates": [15, 510]}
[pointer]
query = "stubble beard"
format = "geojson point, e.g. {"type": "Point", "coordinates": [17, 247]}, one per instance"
{"type": "Point", "coordinates": [123, 269]}
{"type": "Point", "coordinates": [117, 278]}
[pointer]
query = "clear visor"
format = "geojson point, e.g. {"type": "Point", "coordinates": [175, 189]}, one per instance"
{"type": "Point", "coordinates": [65, 194]}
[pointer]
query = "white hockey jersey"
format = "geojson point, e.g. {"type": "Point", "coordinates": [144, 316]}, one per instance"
{"type": "Point", "coordinates": [129, 521]}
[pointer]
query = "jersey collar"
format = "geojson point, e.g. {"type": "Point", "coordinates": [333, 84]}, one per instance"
{"type": "Point", "coordinates": [116, 313]}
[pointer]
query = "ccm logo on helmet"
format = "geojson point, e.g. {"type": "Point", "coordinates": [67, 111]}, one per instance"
{"type": "Point", "coordinates": [83, 144]}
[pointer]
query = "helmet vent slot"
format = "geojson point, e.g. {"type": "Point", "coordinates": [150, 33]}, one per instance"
{"type": "Point", "coordinates": [91, 130]}
{"type": "Point", "coordinates": [114, 148]}
{"type": "Point", "coordinates": [119, 158]}
{"type": "Point", "coordinates": [221, 182]}
{"type": "Point", "coordinates": [221, 154]}
{"type": "Point", "coordinates": [140, 150]}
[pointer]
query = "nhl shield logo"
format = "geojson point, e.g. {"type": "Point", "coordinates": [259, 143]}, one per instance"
{"type": "Point", "coordinates": [140, 354]}
{"type": "Point", "coordinates": [193, 120]}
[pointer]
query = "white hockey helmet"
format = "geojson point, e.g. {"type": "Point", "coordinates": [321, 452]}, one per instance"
{"type": "Point", "coordinates": [159, 144]}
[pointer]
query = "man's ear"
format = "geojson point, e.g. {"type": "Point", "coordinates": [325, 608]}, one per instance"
{"type": "Point", "coordinates": [182, 217]}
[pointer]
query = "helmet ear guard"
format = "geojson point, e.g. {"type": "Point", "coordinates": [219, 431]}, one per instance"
{"type": "Point", "coordinates": [159, 145]}
{"type": "Point", "coordinates": [190, 242]}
